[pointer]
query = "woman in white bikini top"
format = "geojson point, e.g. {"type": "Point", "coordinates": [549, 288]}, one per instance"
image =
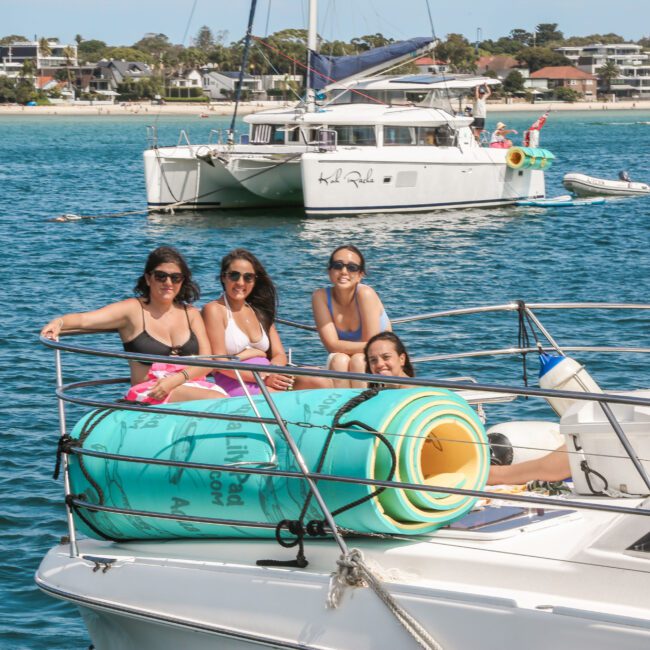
{"type": "Point", "coordinates": [237, 340]}
{"type": "Point", "coordinates": [242, 321]}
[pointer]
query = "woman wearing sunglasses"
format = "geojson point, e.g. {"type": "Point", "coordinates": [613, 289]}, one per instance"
{"type": "Point", "coordinates": [348, 313]}
{"type": "Point", "coordinates": [161, 322]}
{"type": "Point", "coordinates": [241, 323]}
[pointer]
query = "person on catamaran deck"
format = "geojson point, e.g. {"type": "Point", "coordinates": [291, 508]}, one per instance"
{"type": "Point", "coordinates": [348, 313]}
{"type": "Point", "coordinates": [160, 321]}
{"type": "Point", "coordinates": [241, 323]}
{"type": "Point", "coordinates": [479, 109]}
{"type": "Point", "coordinates": [499, 139]}
{"type": "Point", "coordinates": [385, 354]}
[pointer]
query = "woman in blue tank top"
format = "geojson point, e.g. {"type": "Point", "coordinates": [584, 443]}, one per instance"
{"type": "Point", "coordinates": [160, 321]}
{"type": "Point", "coordinates": [348, 313]}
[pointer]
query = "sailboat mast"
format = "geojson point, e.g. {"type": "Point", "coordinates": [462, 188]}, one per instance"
{"type": "Point", "coordinates": [312, 43]}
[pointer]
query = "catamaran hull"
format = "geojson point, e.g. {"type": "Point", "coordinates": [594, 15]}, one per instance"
{"type": "Point", "coordinates": [198, 177]}
{"type": "Point", "coordinates": [202, 596]}
{"type": "Point", "coordinates": [349, 182]}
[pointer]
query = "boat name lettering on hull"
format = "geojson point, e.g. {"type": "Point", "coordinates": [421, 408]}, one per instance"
{"type": "Point", "coordinates": [354, 176]}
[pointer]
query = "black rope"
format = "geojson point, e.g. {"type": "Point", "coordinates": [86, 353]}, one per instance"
{"type": "Point", "coordinates": [64, 446]}
{"type": "Point", "coordinates": [316, 528]}
{"type": "Point", "coordinates": [587, 471]}
{"type": "Point", "coordinates": [523, 341]}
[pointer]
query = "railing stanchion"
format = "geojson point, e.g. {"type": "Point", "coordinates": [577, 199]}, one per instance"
{"type": "Point", "coordinates": [74, 550]}
{"type": "Point", "coordinates": [302, 465]}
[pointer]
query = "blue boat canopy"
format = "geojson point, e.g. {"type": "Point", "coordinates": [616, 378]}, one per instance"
{"type": "Point", "coordinates": [326, 69]}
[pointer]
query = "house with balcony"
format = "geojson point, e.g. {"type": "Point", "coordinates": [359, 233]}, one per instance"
{"type": "Point", "coordinates": [565, 76]}
{"type": "Point", "coordinates": [187, 84]}
{"type": "Point", "coordinates": [108, 75]}
{"type": "Point", "coordinates": [221, 85]}
{"type": "Point", "coordinates": [633, 64]}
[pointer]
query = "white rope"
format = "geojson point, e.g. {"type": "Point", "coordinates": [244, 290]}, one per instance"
{"type": "Point", "coordinates": [354, 572]}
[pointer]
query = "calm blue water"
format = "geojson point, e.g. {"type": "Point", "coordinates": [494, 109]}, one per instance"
{"type": "Point", "coordinates": [418, 263]}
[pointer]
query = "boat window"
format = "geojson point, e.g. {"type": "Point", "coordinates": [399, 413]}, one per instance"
{"type": "Point", "coordinates": [399, 135]}
{"type": "Point", "coordinates": [415, 135]}
{"type": "Point", "coordinates": [355, 135]}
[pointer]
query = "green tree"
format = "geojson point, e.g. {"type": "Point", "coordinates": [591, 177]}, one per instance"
{"type": "Point", "coordinates": [7, 90]}
{"type": "Point", "coordinates": [370, 41]}
{"type": "Point", "coordinates": [537, 58]}
{"type": "Point", "coordinates": [78, 39]}
{"type": "Point", "coordinates": [204, 39]}
{"type": "Point", "coordinates": [459, 52]}
{"type": "Point", "coordinates": [521, 36]}
{"type": "Point", "coordinates": [567, 94]}
{"type": "Point", "coordinates": [605, 39]}
{"type": "Point", "coordinates": [547, 33]}
{"type": "Point", "coordinates": [44, 47]}
{"type": "Point", "coordinates": [129, 54]}
{"type": "Point", "coordinates": [12, 38]}
{"type": "Point", "coordinates": [92, 50]}
{"type": "Point", "coordinates": [607, 73]}
{"type": "Point", "coordinates": [514, 82]}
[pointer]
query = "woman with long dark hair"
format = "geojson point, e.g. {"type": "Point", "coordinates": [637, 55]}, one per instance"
{"type": "Point", "coordinates": [160, 321]}
{"type": "Point", "coordinates": [348, 313]}
{"type": "Point", "coordinates": [241, 323]}
{"type": "Point", "coordinates": [385, 354]}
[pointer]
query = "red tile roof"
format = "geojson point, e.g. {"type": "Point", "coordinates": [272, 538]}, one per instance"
{"type": "Point", "coordinates": [427, 60]}
{"type": "Point", "coordinates": [561, 72]}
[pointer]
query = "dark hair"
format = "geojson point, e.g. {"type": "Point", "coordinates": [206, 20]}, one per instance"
{"type": "Point", "coordinates": [348, 247]}
{"type": "Point", "coordinates": [189, 291]}
{"type": "Point", "coordinates": [399, 348]}
{"type": "Point", "coordinates": [264, 297]}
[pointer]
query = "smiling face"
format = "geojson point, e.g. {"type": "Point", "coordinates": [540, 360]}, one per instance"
{"type": "Point", "coordinates": [165, 281]}
{"type": "Point", "coordinates": [346, 268]}
{"type": "Point", "coordinates": [383, 359]}
{"type": "Point", "coordinates": [238, 280]}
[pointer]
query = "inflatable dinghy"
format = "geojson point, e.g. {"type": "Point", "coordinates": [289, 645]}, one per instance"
{"type": "Point", "coordinates": [583, 185]}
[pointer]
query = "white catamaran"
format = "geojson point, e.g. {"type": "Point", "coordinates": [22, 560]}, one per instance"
{"type": "Point", "coordinates": [356, 152]}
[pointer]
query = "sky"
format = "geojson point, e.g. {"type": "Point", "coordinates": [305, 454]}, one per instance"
{"type": "Point", "coordinates": [123, 22]}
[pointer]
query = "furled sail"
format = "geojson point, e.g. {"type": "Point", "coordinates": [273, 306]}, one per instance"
{"type": "Point", "coordinates": [326, 69]}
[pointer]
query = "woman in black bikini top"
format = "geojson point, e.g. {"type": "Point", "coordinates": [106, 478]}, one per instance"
{"type": "Point", "coordinates": [160, 322]}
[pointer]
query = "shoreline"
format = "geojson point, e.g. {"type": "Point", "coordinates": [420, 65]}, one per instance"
{"type": "Point", "coordinates": [246, 108]}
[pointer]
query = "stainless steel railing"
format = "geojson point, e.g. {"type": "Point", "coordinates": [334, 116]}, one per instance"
{"type": "Point", "coordinates": [66, 393]}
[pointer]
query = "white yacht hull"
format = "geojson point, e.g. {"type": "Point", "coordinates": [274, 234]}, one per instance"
{"type": "Point", "coordinates": [368, 179]}
{"type": "Point", "coordinates": [196, 177]}
{"type": "Point", "coordinates": [569, 583]}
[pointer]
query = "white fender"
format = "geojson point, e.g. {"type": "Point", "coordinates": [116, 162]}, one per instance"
{"type": "Point", "coordinates": [563, 373]}
{"type": "Point", "coordinates": [529, 439]}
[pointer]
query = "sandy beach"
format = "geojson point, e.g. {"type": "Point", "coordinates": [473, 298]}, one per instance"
{"type": "Point", "coordinates": [225, 108]}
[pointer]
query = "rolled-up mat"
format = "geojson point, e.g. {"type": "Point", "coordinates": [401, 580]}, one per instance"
{"type": "Point", "coordinates": [437, 437]}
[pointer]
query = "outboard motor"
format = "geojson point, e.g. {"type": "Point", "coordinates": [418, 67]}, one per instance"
{"type": "Point", "coordinates": [624, 176]}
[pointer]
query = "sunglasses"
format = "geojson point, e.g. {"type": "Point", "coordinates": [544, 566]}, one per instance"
{"type": "Point", "coordinates": [161, 276]}
{"type": "Point", "coordinates": [338, 265]}
{"type": "Point", "coordinates": [234, 276]}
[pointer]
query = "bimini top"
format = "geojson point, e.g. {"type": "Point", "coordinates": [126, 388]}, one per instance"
{"type": "Point", "coordinates": [362, 115]}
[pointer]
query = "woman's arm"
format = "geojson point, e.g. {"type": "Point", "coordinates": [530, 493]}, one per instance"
{"type": "Point", "coordinates": [327, 329]}
{"type": "Point", "coordinates": [118, 315]}
{"type": "Point", "coordinates": [167, 384]}
{"type": "Point", "coordinates": [552, 467]}
{"type": "Point", "coordinates": [370, 308]}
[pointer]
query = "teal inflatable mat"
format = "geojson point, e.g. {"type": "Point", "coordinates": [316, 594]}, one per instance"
{"type": "Point", "coordinates": [437, 438]}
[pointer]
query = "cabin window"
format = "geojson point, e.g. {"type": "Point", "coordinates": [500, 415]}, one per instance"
{"type": "Point", "coordinates": [427, 136]}
{"type": "Point", "coordinates": [398, 135]}
{"type": "Point", "coordinates": [359, 136]}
